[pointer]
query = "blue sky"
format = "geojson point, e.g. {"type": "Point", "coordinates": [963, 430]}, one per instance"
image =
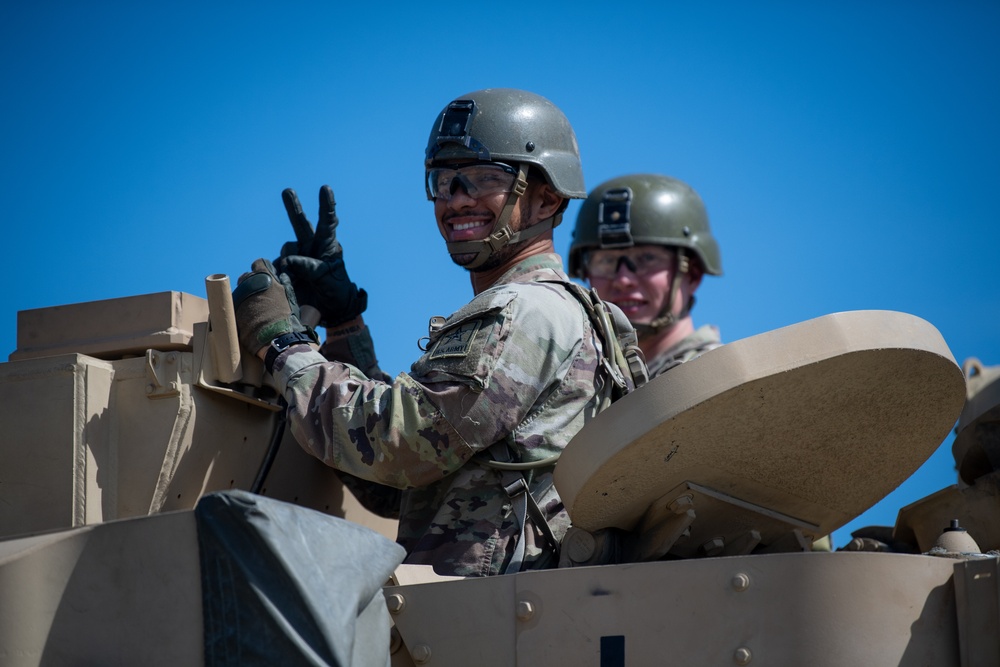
{"type": "Point", "coordinates": [848, 153]}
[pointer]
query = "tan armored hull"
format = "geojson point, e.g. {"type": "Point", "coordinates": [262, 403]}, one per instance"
{"type": "Point", "coordinates": [695, 502]}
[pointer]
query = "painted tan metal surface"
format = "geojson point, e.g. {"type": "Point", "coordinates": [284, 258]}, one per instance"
{"type": "Point", "coordinates": [223, 337]}
{"type": "Point", "coordinates": [975, 507]}
{"type": "Point", "coordinates": [110, 328]}
{"type": "Point", "coordinates": [87, 440]}
{"type": "Point", "coordinates": [796, 430]}
{"type": "Point", "coordinates": [120, 593]}
{"type": "Point", "coordinates": [977, 598]}
{"type": "Point", "coordinates": [94, 440]}
{"type": "Point", "coordinates": [817, 421]}
{"type": "Point", "coordinates": [783, 609]}
{"type": "Point", "coordinates": [977, 444]}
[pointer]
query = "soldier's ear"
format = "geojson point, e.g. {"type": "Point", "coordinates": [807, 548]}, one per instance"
{"type": "Point", "coordinates": [546, 201]}
{"type": "Point", "coordinates": [695, 273]}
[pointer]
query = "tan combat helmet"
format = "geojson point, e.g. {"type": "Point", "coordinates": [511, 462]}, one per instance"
{"type": "Point", "coordinates": [643, 209]}
{"type": "Point", "coordinates": [508, 126]}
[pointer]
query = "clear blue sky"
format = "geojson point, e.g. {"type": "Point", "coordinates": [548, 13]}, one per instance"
{"type": "Point", "coordinates": [849, 154]}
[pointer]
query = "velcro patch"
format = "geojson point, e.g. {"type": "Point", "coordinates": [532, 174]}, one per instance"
{"type": "Point", "coordinates": [455, 342]}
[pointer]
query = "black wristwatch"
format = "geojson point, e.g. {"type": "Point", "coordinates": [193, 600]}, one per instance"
{"type": "Point", "coordinates": [282, 343]}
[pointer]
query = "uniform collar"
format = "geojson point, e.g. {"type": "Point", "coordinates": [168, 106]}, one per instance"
{"type": "Point", "coordinates": [543, 266]}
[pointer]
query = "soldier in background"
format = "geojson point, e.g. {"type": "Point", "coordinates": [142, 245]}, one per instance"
{"type": "Point", "coordinates": [467, 439]}
{"type": "Point", "coordinates": [644, 243]}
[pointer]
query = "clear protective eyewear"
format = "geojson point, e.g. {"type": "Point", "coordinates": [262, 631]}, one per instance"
{"type": "Point", "coordinates": [478, 180]}
{"type": "Point", "coordinates": [641, 261]}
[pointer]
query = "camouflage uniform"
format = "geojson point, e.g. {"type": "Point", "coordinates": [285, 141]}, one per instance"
{"type": "Point", "coordinates": [517, 365]}
{"type": "Point", "coordinates": [694, 345]}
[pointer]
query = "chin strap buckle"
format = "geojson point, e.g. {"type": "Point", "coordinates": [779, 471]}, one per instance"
{"type": "Point", "coordinates": [499, 239]}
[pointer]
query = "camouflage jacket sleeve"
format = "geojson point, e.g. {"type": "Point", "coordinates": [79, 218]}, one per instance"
{"type": "Point", "coordinates": [357, 349]}
{"type": "Point", "coordinates": [705, 338]}
{"type": "Point", "coordinates": [479, 380]}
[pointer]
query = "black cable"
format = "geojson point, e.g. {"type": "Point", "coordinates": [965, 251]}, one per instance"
{"type": "Point", "coordinates": [271, 453]}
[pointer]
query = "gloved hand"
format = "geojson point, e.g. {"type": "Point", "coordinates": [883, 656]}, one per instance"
{"type": "Point", "coordinates": [315, 262]}
{"type": "Point", "coordinates": [265, 307]}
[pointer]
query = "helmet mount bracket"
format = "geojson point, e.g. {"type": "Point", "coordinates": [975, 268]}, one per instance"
{"type": "Point", "coordinates": [454, 128]}
{"type": "Point", "coordinates": [613, 219]}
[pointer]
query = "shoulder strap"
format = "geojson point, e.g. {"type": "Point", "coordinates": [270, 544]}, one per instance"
{"type": "Point", "coordinates": [622, 360]}
{"type": "Point", "coordinates": [625, 366]}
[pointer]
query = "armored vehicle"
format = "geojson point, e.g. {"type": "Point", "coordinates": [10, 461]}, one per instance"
{"type": "Point", "coordinates": [154, 510]}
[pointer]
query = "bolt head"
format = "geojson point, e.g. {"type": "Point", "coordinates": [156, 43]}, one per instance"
{"type": "Point", "coordinates": [421, 653]}
{"type": "Point", "coordinates": [713, 547]}
{"type": "Point", "coordinates": [395, 603]}
{"type": "Point", "coordinates": [681, 505]}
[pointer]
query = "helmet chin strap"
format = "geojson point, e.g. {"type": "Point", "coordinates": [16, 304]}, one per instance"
{"type": "Point", "coordinates": [501, 235]}
{"type": "Point", "coordinates": [666, 318]}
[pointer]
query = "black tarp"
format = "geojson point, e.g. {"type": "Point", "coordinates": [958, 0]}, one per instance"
{"type": "Point", "coordinates": [285, 585]}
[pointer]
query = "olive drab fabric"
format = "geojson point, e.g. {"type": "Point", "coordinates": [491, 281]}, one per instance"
{"type": "Point", "coordinates": [660, 211]}
{"type": "Point", "coordinates": [521, 364]}
{"type": "Point", "coordinates": [266, 306]}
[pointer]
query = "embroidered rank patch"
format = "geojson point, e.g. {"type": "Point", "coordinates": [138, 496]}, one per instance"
{"type": "Point", "coordinates": [455, 342]}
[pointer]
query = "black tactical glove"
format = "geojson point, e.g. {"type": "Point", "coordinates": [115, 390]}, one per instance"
{"type": "Point", "coordinates": [315, 262]}
{"type": "Point", "coordinates": [266, 308]}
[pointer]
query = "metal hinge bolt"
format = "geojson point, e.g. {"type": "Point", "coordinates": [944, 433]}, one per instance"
{"type": "Point", "coordinates": [421, 654]}
{"type": "Point", "coordinates": [395, 603]}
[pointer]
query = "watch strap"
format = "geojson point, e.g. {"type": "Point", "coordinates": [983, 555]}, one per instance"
{"type": "Point", "coordinates": [282, 343]}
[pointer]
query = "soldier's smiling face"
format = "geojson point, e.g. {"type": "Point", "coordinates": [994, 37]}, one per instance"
{"type": "Point", "coordinates": [463, 217]}
{"type": "Point", "coordinates": [641, 288]}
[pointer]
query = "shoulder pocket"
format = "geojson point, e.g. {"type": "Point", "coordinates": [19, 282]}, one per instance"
{"type": "Point", "coordinates": [466, 347]}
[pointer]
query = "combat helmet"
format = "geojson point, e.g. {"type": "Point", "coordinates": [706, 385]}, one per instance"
{"type": "Point", "coordinates": [643, 209]}
{"type": "Point", "coordinates": [510, 126]}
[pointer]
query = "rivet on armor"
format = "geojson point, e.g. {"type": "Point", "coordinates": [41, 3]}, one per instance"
{"type": "Point", "coordinates": [395, 603]}
{"type": "Point", "coordinates": [740, 582]}
{"type": "Point", "coordinates": [421, 654]}
{"type": "Point", "coordinates": [525, 610]}
{"type": "Point", "coordinates": [530, 146]}
{"type": "Point", "coordinates": [687, 231]}
{"type": "Point", "coordinates": [742, 656]}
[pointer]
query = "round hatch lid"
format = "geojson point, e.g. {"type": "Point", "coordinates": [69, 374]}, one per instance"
{"type": "Point", "coordinates": [817, 421]}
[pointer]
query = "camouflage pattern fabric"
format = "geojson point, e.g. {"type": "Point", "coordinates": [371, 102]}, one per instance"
{"type": "Point", "coordinates": [696, 344]}
{"type": "Point", "coordinates": [518, 364]}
